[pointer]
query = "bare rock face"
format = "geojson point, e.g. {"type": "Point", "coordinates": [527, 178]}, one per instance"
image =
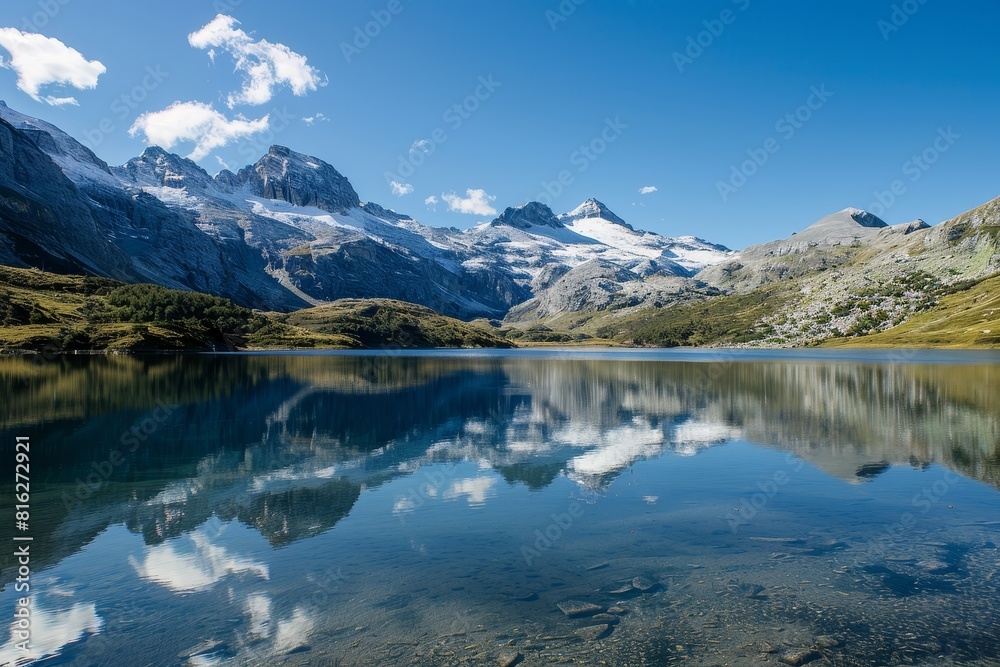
{"type": "Point", "coordinates": [299, 179]}
{"type": "Point", "coordinates": [592, 285]}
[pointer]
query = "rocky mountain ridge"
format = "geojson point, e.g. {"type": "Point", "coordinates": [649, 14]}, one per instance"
{"type": "Point", "coordinates": [290, 231]}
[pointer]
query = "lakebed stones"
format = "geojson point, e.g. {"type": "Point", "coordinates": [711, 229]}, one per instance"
{"type": "Point", "coordinates": [618, 609]}
{"type": "Point", "coordinates": [592, 633]}
{"type": "Point", "coordinates": [579, 609]}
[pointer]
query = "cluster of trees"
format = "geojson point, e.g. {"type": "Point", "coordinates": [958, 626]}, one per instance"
{"type": "Point", "coordinates": [152, 304]}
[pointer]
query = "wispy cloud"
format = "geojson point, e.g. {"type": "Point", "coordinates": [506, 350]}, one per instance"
{"type": "Point", "coordinates": [420, 146]}
{"type": "Point", "coordinates": [265, 66]}
{"type": "Point", "coordinates": [315, 118]}
{"type": "Point", "coordinates": [41, 61]}
{"type": "Point", "coordinates": [431, 202]}
{"type": "Point", "coordinates": [401, 189]}
{"type": "Point", "coordinates": [475, 202]}
{"type": "Point", "coordinates": [196, 122]}
{"type": "Point", "coordinates": [648, 190]}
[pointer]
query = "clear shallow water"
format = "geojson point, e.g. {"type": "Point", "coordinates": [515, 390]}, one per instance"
{"type": "Point", "coordinates": [436, 509]}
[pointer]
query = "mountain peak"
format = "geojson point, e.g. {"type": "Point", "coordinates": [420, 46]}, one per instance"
{"type": "Point", "coordinates": [592, 208]}
{"type": "Point", "coordinates": [532, 214]}
{"type": "Point", "coordinates": [863, 218]}
{"type": "Point", "coordinates": [299, 179]}
{"type": "Point", "coordinates": [157, 167]}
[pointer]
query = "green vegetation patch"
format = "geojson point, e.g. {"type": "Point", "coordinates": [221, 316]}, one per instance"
{"type": "Point", "coordinates": [731, 319]}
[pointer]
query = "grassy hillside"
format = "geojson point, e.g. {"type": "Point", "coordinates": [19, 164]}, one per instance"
{"type": "Point", "coordinates": [385, 322]}
{"type": "Point", "coordinates": [718, 321]}
{"type": "Point", "coordinates": [53, 313]}
{"type": "Point", "coordinates": [56, 313]}
{"type": "Point", "coordinates": [967, 316]}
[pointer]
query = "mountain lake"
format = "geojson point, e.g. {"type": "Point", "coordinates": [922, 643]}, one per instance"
{"type": "Point", "coordinates": [534, 507]}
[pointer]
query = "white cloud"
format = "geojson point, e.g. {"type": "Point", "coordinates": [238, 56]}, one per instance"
{"type": "Point", "coordinates": [40, 61]}
{"type": "Point", "coordinates": [401, 189]}
{"type": "Point", "coordinates": [420, 146]}
{"type": "Point", "coordinates": [475, 202]}
{"type": "Point", "coordinates": [476, 490]}
{"type": "Point", "coordinates": [310, 120]}
{"type": "Point", "coordinates": [648, 190]}
{"type": "Point", "coordinates": [197, 122]}
{"type": "Point", "coordinates": [431, 201]}
{"type": "Point", "coordinates": [50, 632]}
{"type": "Point", "coordinates": [264, 65]}
{"type": "Point", "coordinates": [192, 563]}
{"type": "Point", "coordinates": [222, 163]}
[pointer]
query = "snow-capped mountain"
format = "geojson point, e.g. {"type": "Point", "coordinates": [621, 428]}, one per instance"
{"type": "Point", "coordinates": [533, 240]}
{"type": "Point", "coordinates": [290, 230]}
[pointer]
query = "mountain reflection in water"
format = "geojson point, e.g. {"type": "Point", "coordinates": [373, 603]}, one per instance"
{"type": "Point", "coordinates": [287, 445]}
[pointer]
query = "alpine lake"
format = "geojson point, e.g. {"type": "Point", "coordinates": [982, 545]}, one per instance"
{"type": "Point", "coordinates": [529, 507]}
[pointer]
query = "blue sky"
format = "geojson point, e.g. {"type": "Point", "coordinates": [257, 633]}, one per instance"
{"type": "Point", "coordinates": [869, 85]}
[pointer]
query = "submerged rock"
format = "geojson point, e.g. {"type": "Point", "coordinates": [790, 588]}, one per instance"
{"type": "Point", "coordinates": [578, 609]}
{"type": "Point", "coordinates": [509, 658]}
{"type": "Point", "coordinates": [799, 657]}
{"type": "Point", "coordinates": [643, 584]}
{"type": "Point", "coordinates": [610, 619]}
{"type": "Point", "coordinates": [592, 633]}
{"type": "Point", "coordinates": [622, 589]}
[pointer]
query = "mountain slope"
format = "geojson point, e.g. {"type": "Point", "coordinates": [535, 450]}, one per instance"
{"type": "Point", "coordinates": [290, 231]}
{"type": "Point", "coordinates": [967, 316]}
{"type": "Point", "coordinates": [61, 208]}
{"type": "Point", "coordinates": [848, 278]}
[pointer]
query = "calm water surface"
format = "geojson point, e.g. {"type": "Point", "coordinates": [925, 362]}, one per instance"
{"type": "Point", "coordinates": [585, 508]}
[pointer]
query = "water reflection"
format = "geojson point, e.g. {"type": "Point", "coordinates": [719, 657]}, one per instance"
{"type": "Point", "coordinates": [250, 455]}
